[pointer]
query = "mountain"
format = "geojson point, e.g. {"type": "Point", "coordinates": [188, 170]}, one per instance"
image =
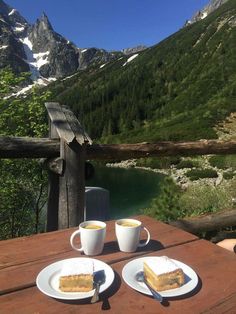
{"type": "Point", "coordinates": [12, 26]}
{"type": "Point", "coordinates": [130, 51]}
{"type": "Point", "coordinates": [211, 7]}
{"type": "Point", "coordinates": [178, 89]}
{"type": "Point", "coordinates": [46, 54]}
{"type": "Point", "coordinates": [39, 49]}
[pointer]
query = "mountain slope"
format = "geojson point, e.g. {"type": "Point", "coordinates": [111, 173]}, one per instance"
{"type": "Point", "coordinates": [176, 90]}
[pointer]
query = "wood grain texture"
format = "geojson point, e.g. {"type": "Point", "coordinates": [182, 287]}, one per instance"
{"type": "Point", "coordinates": [24, 147]}
{"type": "Point", "coordinates": [216, 270]}
{"type": "Point", "coordinates": [71, 186]}
{"type": "Point", "coordinates": [53, 183]}
{"type": "Point", "coordinates": [59, 121]}
{"type": "Point", "coordinates": [21, 259]}
{"type": "Point", "coordinates": [32, 248]}
{"type": "Point", "coordinates": [214, 294]}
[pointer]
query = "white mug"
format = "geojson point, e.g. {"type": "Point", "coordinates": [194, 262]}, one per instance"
{"type": "Point", "coordinates": [128, 234]}
{"type": "Point", "coordinates": [92, 234]}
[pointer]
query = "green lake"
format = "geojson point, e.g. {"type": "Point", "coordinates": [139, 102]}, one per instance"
{"type": "Point", "coordinates": [131, 189]}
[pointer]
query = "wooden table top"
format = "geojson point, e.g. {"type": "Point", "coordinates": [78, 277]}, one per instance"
{"type": "Point", "coordinates": [22, 259]}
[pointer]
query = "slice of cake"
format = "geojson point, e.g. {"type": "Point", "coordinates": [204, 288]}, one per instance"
{"type": "Point", "coordinates": [77, 276]}
{"type": "Point", "coordinates": [162, 273]}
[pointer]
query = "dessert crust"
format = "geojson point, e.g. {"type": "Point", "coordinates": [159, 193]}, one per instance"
{"type": "Point", "coordinates": [76, 283]}
{"type": "Point", "coordinates": [165, 281]}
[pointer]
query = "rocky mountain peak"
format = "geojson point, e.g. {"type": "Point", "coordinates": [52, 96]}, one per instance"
{"type": "Point", "coordinates": [129, 51]}
{"type": "Point", "coordinates": [41, 34]}
{"type": "Point", "coordinates": [200, 15]}
{"type": "Point", "coordinates": [42, 25]}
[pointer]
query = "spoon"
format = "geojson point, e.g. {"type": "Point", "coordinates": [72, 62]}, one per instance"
{"type": "Point", "coordinates": [141, 278]}
{"type": "Point", "coordinates": [98, 280]}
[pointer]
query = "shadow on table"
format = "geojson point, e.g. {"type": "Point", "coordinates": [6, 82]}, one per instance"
{"type": "Point", "coordinates": [112, 247]}
{"type": "Point", "coordinates": [103, 297]}
{"type": "Point", "coordinates": [190, 293]}
{"type": "Point", "coordinates": [167, 300]}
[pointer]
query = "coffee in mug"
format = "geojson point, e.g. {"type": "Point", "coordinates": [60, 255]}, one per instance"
{"type": "Point", "coordinates": [92, 235]}
{"type": "Point", "coordinates": [128, 234]}
{"type": "Point", "coordinates": [128, 224]}
{"type": "Point", "coordinates": [92, 227]}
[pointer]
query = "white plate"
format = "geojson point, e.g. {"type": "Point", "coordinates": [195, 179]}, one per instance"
{"type": "Point", "coordinates": [130, 270]}
{"type": "Point", "coordinates": [48, 279]}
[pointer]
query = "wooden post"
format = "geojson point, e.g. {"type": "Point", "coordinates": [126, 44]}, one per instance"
{"type": "Point", "coordinates": [72, 186]}
{"type": "Point", "coordinates": [53, 190]}
{"type": "Point", "coordinates": [69, 187]}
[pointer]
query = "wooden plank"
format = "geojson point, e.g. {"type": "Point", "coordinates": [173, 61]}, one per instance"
{"type": "Point", "coordinates": [53, 187]}
{"type": "Point", "coordinates": [58, 119]}
{"type": "Point", "coordinates": [24, 147]}
{"type": "Point", "coordinates": [142, 150]}
{"type": "Point", "coordinates": [53, 202]}
{"type": "Point", "coordinates": [36, 247]}
{"type": "Point", "coordinates": [227, 306]}
{"type": "Point", "coordinates": [80, 134]}
{"type": "Point", "coordinates": [215, 287]}
{"type": "Point", "coordinates": [72, 186]}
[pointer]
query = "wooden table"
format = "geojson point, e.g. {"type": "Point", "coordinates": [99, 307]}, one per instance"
{"type": "Point", "coordinates": [22, 259]}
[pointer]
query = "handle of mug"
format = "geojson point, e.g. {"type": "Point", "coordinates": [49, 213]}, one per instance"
{"type": "Point", "coordinates": [148, 238]}
{"type": "Point", "coordinates": [75, 234]}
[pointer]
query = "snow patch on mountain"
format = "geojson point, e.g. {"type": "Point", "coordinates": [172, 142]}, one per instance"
{"type": "Point", "coordinates": [130, 59]}
{"type": "Point", "coordinates": [39, 82]}
{"type": "Point", "coordinates": [35, 60]}
{"type": "Point", "coordinates": [2, 20]}
{"type": "Point", "coordinates": [18, 28]}
{"type": "Point", "coordinates": [40, 59]}
{"type": "Point", "coordinates": [12, 12]}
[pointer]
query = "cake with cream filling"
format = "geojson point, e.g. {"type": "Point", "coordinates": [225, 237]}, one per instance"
{"type": "Point", "coordinates": [77, 276]}
{"type": "Point", "coordinates": [162, 273]}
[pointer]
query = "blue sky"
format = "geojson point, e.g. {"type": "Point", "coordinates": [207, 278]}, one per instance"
{"type": "Point", "coordinates": [111, 24]}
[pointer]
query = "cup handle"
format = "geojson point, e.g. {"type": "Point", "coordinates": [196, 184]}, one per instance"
{"type": "Point", "coordinates": [75, 234]}
{"type": "Point", "coordinates": [148, 238]}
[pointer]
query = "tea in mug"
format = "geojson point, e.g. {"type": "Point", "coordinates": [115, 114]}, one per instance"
{"type": "Point", "coordinates": [92, 227]}
{"type": "Point", "coordinates": [128, 224]}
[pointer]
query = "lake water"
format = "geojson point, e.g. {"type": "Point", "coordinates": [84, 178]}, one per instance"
{"type": "Point", "coordinates": [131, 190]}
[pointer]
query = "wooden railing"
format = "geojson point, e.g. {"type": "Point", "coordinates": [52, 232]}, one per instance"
{"type": "Point", "coordinates": [24, 147]}
{"type": "Point", "coordinates": [67, 149]}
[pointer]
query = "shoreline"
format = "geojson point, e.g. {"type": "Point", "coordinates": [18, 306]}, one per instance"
{"type": "Point", "coordinates": [178, 175]}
